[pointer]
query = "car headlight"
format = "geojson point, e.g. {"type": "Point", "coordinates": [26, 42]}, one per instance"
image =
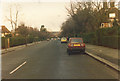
{"type": "Point", "coordinates": [71, 45]}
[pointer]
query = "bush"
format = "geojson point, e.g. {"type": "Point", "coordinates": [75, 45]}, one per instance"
{"type": "Point", "coordinates": [15, 41]}
{"type": "Point", "coordinates": [4, 43]}
{"type": "Point", "coordinates": [90, 37]}
{"type": "Point", "coordinates": [110, 41]}
{"type": "Point", "coordinates": [30, 39]}
{"type": "Point", "coordinates": [109, 37]}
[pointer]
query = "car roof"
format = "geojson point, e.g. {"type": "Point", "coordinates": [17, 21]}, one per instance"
{"type": "Point", "coordinates": [75, 38]}
{"type": "Point", "coordinates": [63, 37]}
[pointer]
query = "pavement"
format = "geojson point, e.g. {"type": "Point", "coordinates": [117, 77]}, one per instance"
{"type": "Point", "coordinates": [49, 60]}
{"type": "Point", "coordinates": [108, 54]}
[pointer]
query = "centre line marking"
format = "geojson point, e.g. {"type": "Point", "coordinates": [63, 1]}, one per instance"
{"type": "Point", "coordinates": [18, 67]}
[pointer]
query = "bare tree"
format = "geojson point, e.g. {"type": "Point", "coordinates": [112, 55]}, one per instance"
{"type": "Point", "coordinates": [16, 20]}
{"type": "Point", "coordinates": [85, 16]}
{"type": "Point", "coordinates": [10, 19]}
{"type": "Point", "coordinates": [13, 18]}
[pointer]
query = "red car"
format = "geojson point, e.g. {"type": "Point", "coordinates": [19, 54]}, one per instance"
{"type": "Point", "coordinates": [76, 45]}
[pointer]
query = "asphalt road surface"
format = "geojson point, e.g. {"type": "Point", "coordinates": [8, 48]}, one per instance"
{"type": "Point", "coordinates": [49, 60]}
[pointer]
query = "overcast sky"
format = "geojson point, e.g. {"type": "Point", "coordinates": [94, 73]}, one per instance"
{"type": "Point", "coordinates": [35, 14]}
{"type": "Point", "coordinates": [51, 13]}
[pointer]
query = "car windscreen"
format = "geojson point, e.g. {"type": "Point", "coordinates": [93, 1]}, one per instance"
{"type": "Point", "coordinates": [64, 38]}
{"type": "Point", "coordinates": [76, 41]}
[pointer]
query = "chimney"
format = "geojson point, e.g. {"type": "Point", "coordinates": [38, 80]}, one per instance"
{"type": "Point", "coordinates": [112, 3]}
{"type": "Point", "coordinates": [119, 5]}
{"type": "Point", "coordinates": [105, 6]}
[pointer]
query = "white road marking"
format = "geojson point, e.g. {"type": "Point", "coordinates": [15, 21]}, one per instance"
{"type": "Point", "coordinates": [18, 67]}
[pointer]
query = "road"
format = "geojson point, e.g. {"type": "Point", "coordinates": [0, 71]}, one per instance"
{"type": "Point", "coordinates": [49, 60]}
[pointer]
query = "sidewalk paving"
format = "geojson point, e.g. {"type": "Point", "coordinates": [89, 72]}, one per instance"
{"type": "Point", "coordinates": [109, 54]}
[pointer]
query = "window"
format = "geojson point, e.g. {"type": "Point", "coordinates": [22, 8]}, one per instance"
{"type": "Point", "coordinates": [76, 41]}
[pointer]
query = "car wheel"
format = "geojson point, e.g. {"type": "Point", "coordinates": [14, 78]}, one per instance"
{"type": "Point", "coordinates": [69, 52]}
{"type": "Point", "coordinates": [84, 52]}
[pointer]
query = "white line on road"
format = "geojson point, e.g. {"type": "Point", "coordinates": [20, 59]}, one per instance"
{"type": "Point", "coordinates": [18, 67]}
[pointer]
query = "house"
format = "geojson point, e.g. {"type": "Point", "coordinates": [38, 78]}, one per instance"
{"type": "Point", "coordinates": [112, 13]}
{"type": "Point", "coordinates": [4, 31]}
{"type": "Point", "coordinates": [106, 25]}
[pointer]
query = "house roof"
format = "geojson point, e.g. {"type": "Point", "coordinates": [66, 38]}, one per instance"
{"type": "Point", "coordinates": [4, 29]}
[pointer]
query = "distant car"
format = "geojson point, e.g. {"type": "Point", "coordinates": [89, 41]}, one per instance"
{"type": "Point", "coordinates": [58, 38]}
{"type": "Point", "coordinates": [51, 38]}
{"type": "Point", "coordinates": [55, 39]}
{"type": "Point", "coordinates": [75, 45]}
{"type": "Point", "coordinates": [48, 39]}
{"type": "Point", "coordinates": [63, 40]}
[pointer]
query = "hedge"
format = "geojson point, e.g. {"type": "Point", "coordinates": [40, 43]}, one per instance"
{"type": "Point", "coordinates": [15, 41]}
{"type": "Point", "coordinates": [110, 41]}
{"type": "Point", "coordinates": [109, 37]}
{"type": "Point", "coordinates": [4, 42]}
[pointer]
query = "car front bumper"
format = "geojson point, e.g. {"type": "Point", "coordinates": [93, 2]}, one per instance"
{"type": "Point", "coordinates": [63, 41]}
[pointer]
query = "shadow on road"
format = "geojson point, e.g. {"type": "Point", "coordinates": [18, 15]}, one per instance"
{"type": "Point", "coordinates": [78, 53]}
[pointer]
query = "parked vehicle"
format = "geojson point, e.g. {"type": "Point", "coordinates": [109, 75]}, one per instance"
{"type": "Point", "coordinates": [48, 39]}
{"type": "Point", "coordinates": [75, 45]}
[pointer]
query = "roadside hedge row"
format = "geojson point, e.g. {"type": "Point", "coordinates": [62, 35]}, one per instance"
{"type": "Point", "coordinates": [109, 37]}
{"type": "Point", "coordinates": [15, 41]}
{"type": "Point", "coordinates": [111, 41]}
{"type": "Point", "coordinates": [4, 43]}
